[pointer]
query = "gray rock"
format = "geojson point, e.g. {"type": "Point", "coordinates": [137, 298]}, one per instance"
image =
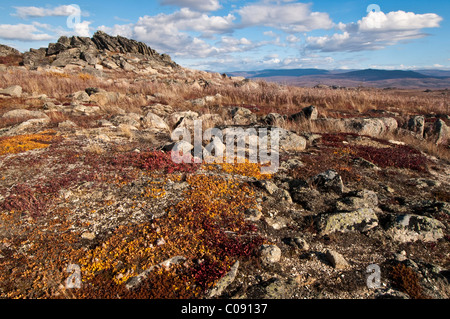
{"type": "Point", "coordinates": [269, 186]}
{"type": "Point", "coordinates": [253, 215]}
{"type": "Point", "coordinates": [359, 199]}
{"type": "Point", "coordinates": [440, 132]}
{"type": "Point", "coordinates": [362, 126]}
{"type": "Point", "coordinates": [279, 289]}
{"type": "Point", "coordinates": [155, 122]}
{"type": "Point", "coordinates": [411, 228]}
{"type": "Point", "coordinates": [55, 48]}
{"type": "Point", "coordinates": [371, 126]}
{"type": "Point", "coordinates": [337, 260]}
{"type": "Point", "coordinates": [416, 124]}
{"type": "Point", "coordinates": [362, 220]}
{"type": "Point", "coordinates": [310, 199]}
{"type": "Point", "coordinates": [80, 96]}
{"type": "Point", "coordinates": [301, 243]}
{"type": "Point", "coordinates": [14, 91]}
{"type": "Point", "coordinates": [242, 116]}
{"type": "Point", "coordinates": [67, 124]}
{"type": "Point", "coordinates": [6, 50]}
{"type": "Point", "coordinates": [135, 281]}
{"type": "Point", "coordinates": [307, 113]}
{"type": "Point", "coordinates": [24, 114]}
{"type": "Point", "coordinates": [224, 282]}
{"type": "Point", "coordinates": [274, 119]}
{"type": "Point", "coordinates": [289, 141]}
{"type": "Point", "coordinates": [270, 254]}
{"type": "Point", "coordinates": [327, 181]}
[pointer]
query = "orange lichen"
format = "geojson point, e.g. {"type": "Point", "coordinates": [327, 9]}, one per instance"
{"type": "Point", "coordinates": [194, 228]}
{"type": "Point", "coordinates": [245, 168]}
{"type": "Point", "coordinates": [23, 143]}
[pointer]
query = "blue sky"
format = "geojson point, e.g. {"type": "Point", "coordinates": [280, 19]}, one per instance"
{"type": "Point", "coordinates": [230, 35]}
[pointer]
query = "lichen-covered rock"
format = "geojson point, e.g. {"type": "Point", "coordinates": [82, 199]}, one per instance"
{"type": "Point", "coordinates": [410, 228]}
{"type": "Point", "coordinates": [327, 181]}
{"type": "Point", "coordinates": [362, 220]}
{"type": "Point", "coordinates": [270, 254]}
{"type": "Point", "coordinates": [356, 200]}
{"type": "Point", "coordinates": [224, 282]}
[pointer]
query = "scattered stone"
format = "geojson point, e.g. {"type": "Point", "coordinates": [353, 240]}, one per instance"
{"type": "Point", "coordinates": [362, 220]}
{"type": "Point", "coordinates": [269, 186]}
{"type": "Point", "coordinates": [307, 113]}
{"type": "Point", "coordinates": [6, 50]}
{"type": "Point", "coordinates": [88, 236]}
{"type": "Point", "coordinates": [327, 181]}
{"type": "Point", "coordinates": [411, 228]}
{"type": "Point", "coordinates": [13, 91]}
{"type": "Point", "coordinates": [337, 260]}
{"type": "Point", "coordinates": [358, 199]}
{"type": "Point", "coordinates": [135, 281]}
{"type": "Point", "coordinates": [277, 222]}
{"type": "Point", "coordinates": [225, 281]}
{"type": "Point", "coordinates": [24, 114]}
{"type": "Point", "coordinates": [274, 119]}
{"type": "Point", "coordinates": [416, 124]}
{"type": "Point", "coordinates": [270, 254]}
{"type": "Point", "coordinates": [440, 132]}
{"type": "Point", "coordinates": [301, 243]}
{"type": "Point", "coordinates": [67, 124]}
{"type": "Point", "coordinates": [253, 215]}
{"type": "Point", "coordinates": [153, 121]}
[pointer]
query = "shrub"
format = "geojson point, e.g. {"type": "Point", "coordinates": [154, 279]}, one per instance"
{"type": "Point", "coordinates": [405, 279]}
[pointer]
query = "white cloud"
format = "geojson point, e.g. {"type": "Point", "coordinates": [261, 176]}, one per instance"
{"type": "Point", "coordinates": [175, 33]}
{"type": "Point", "coordinates": [292, 38]}
{"type": "Point", "coordinates": [398, 21]}
{"type": "Point", "coordinates": [290, 17]}
{"type": "Point", "coordinates": [375, 31]}
{"type": "Point", "coordinates": [23, 32]}
{"type": "Point", "coordinates": [39, 12]}
{"type": "Point", "coordinates": [198, 5]}
{"type": "Point", "coordinates": [82, 29]}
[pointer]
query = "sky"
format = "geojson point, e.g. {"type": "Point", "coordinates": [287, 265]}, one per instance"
{"type": "Point", "coordinates": [231, 35]}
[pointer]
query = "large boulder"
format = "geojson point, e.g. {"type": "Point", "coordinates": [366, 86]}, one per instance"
{"type": "Point", "coordinates": [14, 91]}
{"type": "Point", "coordinates": [411, 228]}
{"type": "Point", "coordinates": [24, 114]}
{"type": "Point", "coordinates": [361, 220]}
{"type": "Point", "coordinates": [153, 121]}
{"type": "Point", "coordinates": [416, 124]}
{"type": "Point", "coordinates": [6, 50]}
{"type": "Point", "coordinates": [307, 113]}
{"type": "Point", "coordinates": [440, 132]}
{"type": "Point", "coordinates": [362, 126]}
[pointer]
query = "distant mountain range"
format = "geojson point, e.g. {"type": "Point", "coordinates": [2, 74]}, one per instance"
{"type": "Point", "coordinates": [369, 77]}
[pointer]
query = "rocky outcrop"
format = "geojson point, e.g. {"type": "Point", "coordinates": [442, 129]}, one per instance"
{"type": "Point", "coordinates": [6, 50]}
{"type": "Point", "coordinates": [100, 49]}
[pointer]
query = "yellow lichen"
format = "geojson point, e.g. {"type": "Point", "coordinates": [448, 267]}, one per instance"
{"type": "Point", "coordinates": [23, 143]}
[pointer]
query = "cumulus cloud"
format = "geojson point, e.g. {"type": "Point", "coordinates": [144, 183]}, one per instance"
{"type": "Point", "coordinates": [39, 12]}
{"type": "Point", "coordinates": [175, 33]}
{"type": "Point", "coordinates": [289, 17]}
{"type": "Point", "coordinates": [375, 31]}
{"type": "Point", "coordinates": [23, 32]}
{"type": "Point", "coordinates": [198, 5]}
